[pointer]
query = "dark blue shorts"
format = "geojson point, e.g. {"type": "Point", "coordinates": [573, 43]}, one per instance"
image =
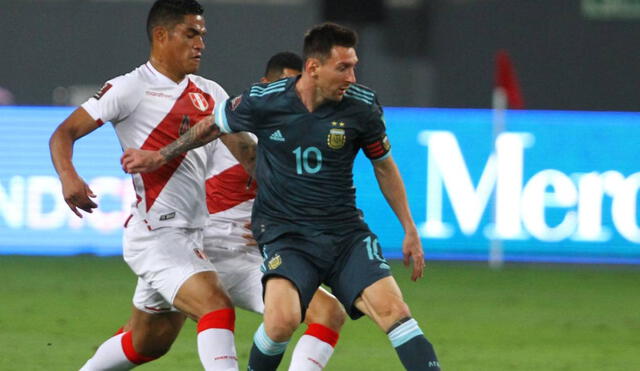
{"type": "Point", "coordinates": [346, 261]}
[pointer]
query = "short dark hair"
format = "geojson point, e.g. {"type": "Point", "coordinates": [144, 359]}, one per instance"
{"type": "Point", "coordinates": [319, 40]}
{"type": "Point", "coordinates": [168, 13]}
{"type": "Point", "coordinates": [279, 62]}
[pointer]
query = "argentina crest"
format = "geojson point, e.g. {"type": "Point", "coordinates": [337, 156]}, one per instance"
{"type": "Point", "coordinates": [336, 138]}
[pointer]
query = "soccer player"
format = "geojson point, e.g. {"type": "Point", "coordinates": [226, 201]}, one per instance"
{"type": "Point", "coordinates": [230, 195]}
{"type": "Point", "coordinates": [149, 108]}
{"type": "Point", "coordinates": [304, 218]}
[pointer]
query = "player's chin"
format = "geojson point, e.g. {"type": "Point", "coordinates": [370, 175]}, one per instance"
{"type": "Point", "coordinates": [194, 66]}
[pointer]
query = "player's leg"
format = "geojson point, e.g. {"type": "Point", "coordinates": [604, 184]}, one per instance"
{"type": "Point", "coordinates": [172, 262]}
{"type": "Point", "coordinates": [203, 299]}
{"type": "Point", "coordinates": [290, 280]}
{"type": "Point", "coordinates": [362, 281]}
{"type": "Point", "coordinates": [384, 303]}
{"type": "Point", "coordinates": [148, 334]}
{"type": "Point", "coordinates": [282, 316]}
{"type": "Point", "coordinates": [324, 318]}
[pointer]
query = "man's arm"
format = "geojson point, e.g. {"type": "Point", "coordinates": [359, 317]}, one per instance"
{"type": "Point", "coordinates": [243, 148]}
{"type": "Point", "coordinates": [392, 187]}
{"type": "Point", "coordinates": [144, 161]}
{"type": "Point", "coordinates": [75, 191]}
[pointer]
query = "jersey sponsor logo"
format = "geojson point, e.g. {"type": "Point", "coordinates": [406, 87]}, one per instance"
{"type": "Point", "coordinates": [185, 125]}
{"type": "Point", "coordinates": [158, 94]}
{"type": "Point", "coordinates": [235, 102]}
{"type": "Point", "coordinates": [168, 216]}
{"type": "Point", "coordinates": [105, 88]}
{"type": "Point", "coordinates": [277, 136]}
{"type": "Point", "coordinates": [275, 262]}
{"type": "Point", "coordinates": [336, 138]}
{"type": "Point", "coordinates": [199, 101]}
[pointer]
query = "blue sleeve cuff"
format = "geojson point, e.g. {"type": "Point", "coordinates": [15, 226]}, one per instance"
{"type": "Point", "coordinates": [220, 117]}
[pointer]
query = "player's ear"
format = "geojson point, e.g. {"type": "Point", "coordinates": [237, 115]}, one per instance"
{"type": "Point", "coordinates": [263, 80]}
{"type": "Point", "coordinates": [311, 65]}
{"type": "Point", "coordinates": [159, 34]}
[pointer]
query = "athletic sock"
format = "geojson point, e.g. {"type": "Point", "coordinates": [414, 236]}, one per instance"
{"type": "Point", "coordinates": [117, 353]}
{"type": "Point", "coordinates": [314, 348]}
{"type": "Point", "coordinates": [266, 354]}
{"type": "Point", "coordinates": [415, 351]}
{"type": "Point", "coordinates": [216, 346]}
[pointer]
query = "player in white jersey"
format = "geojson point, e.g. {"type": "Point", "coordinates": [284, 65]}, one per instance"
{"type": "Point", "coordinates": [229, 245]}
{"type": "Point", "coordinates": [149, 108]}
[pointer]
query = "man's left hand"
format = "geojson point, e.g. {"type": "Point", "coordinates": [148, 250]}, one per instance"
{"type": "Point", "coordinates": [412, 250]}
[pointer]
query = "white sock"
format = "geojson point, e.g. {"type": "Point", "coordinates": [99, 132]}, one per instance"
{"type": "Point", "coordinates": [217, 350]}
{"type": "Point", "coordinates": [109, 356]}
{"type": "Point", "coordinates": [314, 348]}
{"type": "Point", "coordinates": [216, 346]}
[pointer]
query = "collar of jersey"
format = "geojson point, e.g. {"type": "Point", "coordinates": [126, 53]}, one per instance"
{"type": "Point", "coordinates": [162, 79]}
{"type": "Point", "coordinates": [325, 110]}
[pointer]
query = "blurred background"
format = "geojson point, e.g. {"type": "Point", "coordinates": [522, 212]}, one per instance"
{"type": "Point", "coordinates": [570, 54]}
{"type": "Point", "coordinates": [514, 124]}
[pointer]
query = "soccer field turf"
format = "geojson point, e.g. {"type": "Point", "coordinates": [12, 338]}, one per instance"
{"type": "Point", "coordinates": [54, 312]}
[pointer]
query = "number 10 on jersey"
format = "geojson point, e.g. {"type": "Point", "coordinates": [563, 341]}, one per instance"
{"type": "Point", "coordinates": [308, 161]}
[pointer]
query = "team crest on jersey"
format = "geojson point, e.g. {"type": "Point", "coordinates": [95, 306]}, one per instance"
{"type": "Point", "coordinates": [275, 262]}
{"type": "Point", "coordinates": [200, 254]}
{"type": "Point", "coordinates": [199, 101]}
{"type": "Point", "coordinates": [105, 88]}
{"type": "Point", "coordinates": [336, 138]}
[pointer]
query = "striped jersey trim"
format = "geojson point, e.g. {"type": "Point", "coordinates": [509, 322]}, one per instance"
{"type": "Point", "coordinates": [221, 117]}
{"type": "Point", "coordinates": [274, 87]}
{"type": "Point", "coordinates": [361, 94]}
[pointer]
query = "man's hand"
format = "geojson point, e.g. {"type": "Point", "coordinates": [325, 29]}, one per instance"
{"type": "Point", "coordinates": [412, 249]}
{"type": "Point", "coordinates": [141, 161]}
{"type": "Point", "coordinates": [77, 195]}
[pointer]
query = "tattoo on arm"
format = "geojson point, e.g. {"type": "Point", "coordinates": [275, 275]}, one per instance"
{"type": "Point", "coordinates": [200, 134]}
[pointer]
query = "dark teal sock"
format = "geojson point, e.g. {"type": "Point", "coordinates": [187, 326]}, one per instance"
{"type": "Point", "coordinates": [415, 351]}
{"type": "Point", "coordinates": [266, 354]}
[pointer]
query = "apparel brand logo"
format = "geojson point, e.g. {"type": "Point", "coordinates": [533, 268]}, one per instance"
{"type": "Point", "coordinates": [277, 136]}
{"type": "Point", "coordinates": [199, 101]}
{"type": "Point", "coordinates": [336, 138]}
{"type": "Point", "coordinates": [168, 216]}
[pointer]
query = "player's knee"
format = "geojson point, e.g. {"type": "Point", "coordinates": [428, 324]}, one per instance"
{"type": "Point", "coordinates": [393, 311]}
{"type": "Point", "coordinates": [280, 329]}
{"type": "Point", "coordinates": [331, 315]}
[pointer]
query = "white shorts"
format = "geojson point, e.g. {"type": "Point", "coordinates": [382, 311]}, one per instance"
{"type": "Point", "coordinates": [163, 259]}
{"type": "Point", "coordinates": [237, 265]}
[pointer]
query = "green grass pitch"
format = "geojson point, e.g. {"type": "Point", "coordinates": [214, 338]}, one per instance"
{"type": "Point", "coordinates": [54, 312]}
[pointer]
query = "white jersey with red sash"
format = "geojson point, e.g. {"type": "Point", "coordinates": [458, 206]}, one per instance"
{"type": "Point", "coordinates": [149, 111]}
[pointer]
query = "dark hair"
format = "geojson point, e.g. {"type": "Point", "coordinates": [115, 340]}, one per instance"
{"type": "Point", "coordinates": [279, 62]}
{"type": "Point", "coordinates": [319, 40]}
{"type": "Point", "coordinates": [168, 13]}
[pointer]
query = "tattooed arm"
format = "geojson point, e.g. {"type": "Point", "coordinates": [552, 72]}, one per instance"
{"type": "Point", "coordinates": [144, 161]}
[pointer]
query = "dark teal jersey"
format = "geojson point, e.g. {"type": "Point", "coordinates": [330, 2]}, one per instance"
{"type": "Point", "coordinates": [304, 165]}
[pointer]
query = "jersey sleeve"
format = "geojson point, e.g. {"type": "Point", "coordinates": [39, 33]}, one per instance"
{"type": "Point", "coordinates": [114, 101]}
{"type": "Point", "coordinates": [375, 142]}
{"type": "Point", "coordinates": [236, 114]}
